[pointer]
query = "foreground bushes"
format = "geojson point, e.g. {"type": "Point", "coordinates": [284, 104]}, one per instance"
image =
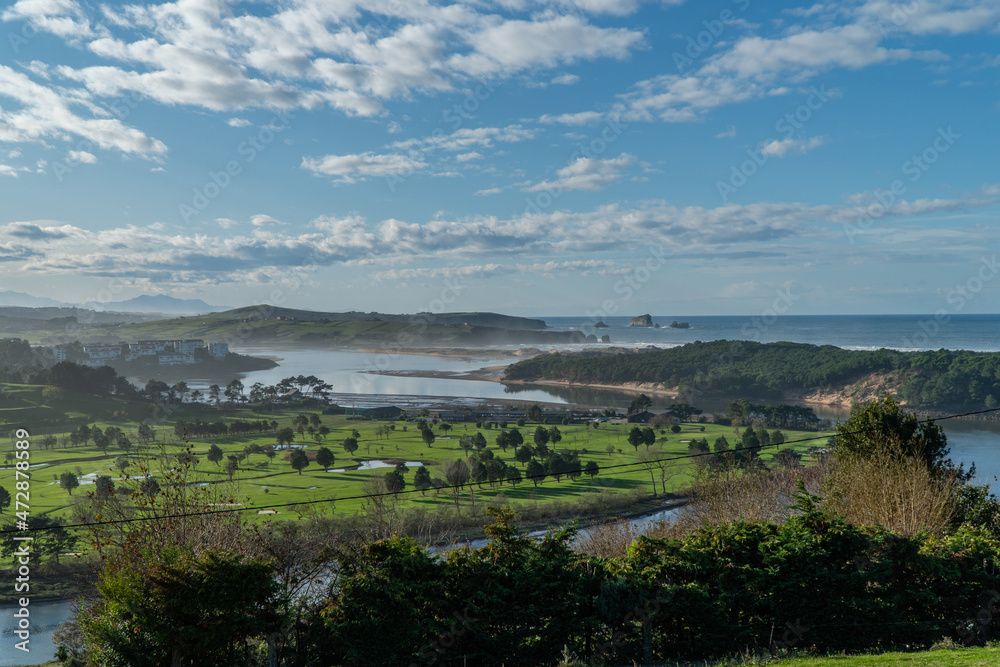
{"type": "Point", "coordinates": [813, 583]}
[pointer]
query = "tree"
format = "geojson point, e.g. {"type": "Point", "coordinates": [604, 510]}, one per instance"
{"type": "Point", "coordinates": [324, 458]}
{"type": "Point", "coordinates": [394, 481]}
{"type": "Point", "coordinates": [146, 433]}
{"type": "Point", "coordinates": [788, 458]}
{"type": "Point", "coordinates": [300, 422]}
{"type": "Point", "coordinates": [777, 437]}
{"type": "Point", "coordinates": [101, 439]}
{"type": "Point", "coordinates": [178, 608]}
{"type": "Point", "coordinates": [881, 426]}
{"type": "Point", "coordinates": [121, 463]}
{"type": "Point", "coordinates": [523, 454]}
{"type": "Point", "coordinates": [181, 389]}
{"type": "Point", "coordinates": [535, 471]}
{"type": "Point", "coordinates": [285, 436]}
{"type": "Point", "coordinates": [234, 391]}
{"type": "Point", "coordinates": [477, 473]}
{"type": "Point", "coordinates": [422, 480]}
{"type": "Point", "coordinates": [591, 469]}
{"type": "Point", "coordinates": [515, 438]}
{"type": "Point", "coordinates": [533, 413]}
{"type": "Point", "coordinates": [457, 474]}
{"type": "Point", "coordinates": [69, 482]}
{"type": "Point", "coordinates": [513, 476]}
{"type": "Point", "coordinates": [215, 454]}
{"type": "Point", "coordinates": [299, 460]}
{"type": "Point", "coordinates": [427, 436]}
{"type": "Point", "coordinates": [554, 435]}
{"type": "Point", "coordinates": [639, 404]}
{"type": "Point", "coordinates": [4, 499]}
{"type": "Point", "coordinates": [104, 487]}
{"type": "Point", "coordinates": [648, 436]}
{"type": "Point", "coordinates": [503, 441]}
{"type": "Point", "coordinates": [350, 445]}
{"type": "Point", "coordinates": [635, 437]}
{"type": "Point", "coordinates": [541, 436]}
{"type": "Point", "coordinates": [150, 487]}
{"type": "Point", "coordinates": [213, 394]}
{"type": "Point", "coordinates": [648, 459]}
{"type": "Point", "coordinates": [479, 440]}
{"type": "Point", "coordinates": [232, 465]}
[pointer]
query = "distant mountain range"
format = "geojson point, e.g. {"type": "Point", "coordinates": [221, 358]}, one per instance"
{"type": "Point", "coordinates": [156, 303]}
{"type": "Point", "coordinates": [22, 300]}
{"type": "Point", "coordinates": [147, 303]}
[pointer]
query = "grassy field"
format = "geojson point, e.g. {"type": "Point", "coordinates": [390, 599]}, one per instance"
{"type": "Point", "coordinates": [260, 481]}
{"type": "Point", "coordinates": [964, 657]}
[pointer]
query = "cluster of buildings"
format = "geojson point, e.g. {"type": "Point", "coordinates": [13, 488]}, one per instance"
{"type": "Point", "coordinates": [166, 352]}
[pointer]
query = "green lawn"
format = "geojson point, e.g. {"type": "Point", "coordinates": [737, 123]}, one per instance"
{"type": "Point", "coordinates": [261, 482]}
{"type": "Point", "coordinates": [966, 657]}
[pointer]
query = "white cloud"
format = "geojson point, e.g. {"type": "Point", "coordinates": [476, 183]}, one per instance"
{"type": "Point", "coordinates": [46, 114]}
{"type": "Point", "coordinates": [238, 122]}
{"type": "Point", "coordinates": [63, 18]}
{"type": "Point", "coordinates": [164, 255]}
{"type": "Point", "coordinates": [7, 170]}
{"type": "Point", "coordinates": [729, 132]}
{"type": "Point", "coordinates": [262, 220]}
{"type": "Point", "coordinates": [565, 80]}
{"type": "Point", "coordinates": [351, 168]}
{"type": "Point", "coordinates": [83, 157]}
{"type": "Point", "coordinates": [586, 173]}
{"type": "Point", "coordinates": [581, 118]}
{"type": "Point", "coordinates": [781, 148]}
{"type": "Point", "coordinates": [347, 54]}
{"type": "Point", "coordinates": [466, 157]}
{"type": "Point", "coordinates": [466, 138]}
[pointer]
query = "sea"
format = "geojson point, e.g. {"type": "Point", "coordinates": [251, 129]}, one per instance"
{"type": "Point", "coordinates": [368, 378]}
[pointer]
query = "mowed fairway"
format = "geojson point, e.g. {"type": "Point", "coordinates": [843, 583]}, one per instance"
{"type": "Point", "coordinates": [260, 481]}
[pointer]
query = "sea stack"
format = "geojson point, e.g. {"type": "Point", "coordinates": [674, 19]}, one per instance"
{"type": "Point", "coordinates": [641, 321]}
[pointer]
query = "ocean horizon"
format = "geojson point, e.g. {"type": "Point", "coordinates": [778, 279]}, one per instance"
{"type": "Point", "coordinates": [979, 333]}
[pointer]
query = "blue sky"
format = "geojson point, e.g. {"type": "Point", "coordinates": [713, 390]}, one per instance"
{"type": "Point", "coordinates": [521, 156]}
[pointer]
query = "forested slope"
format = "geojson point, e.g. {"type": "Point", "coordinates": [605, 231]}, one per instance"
{"type": "Point", "coordinates": [953, 379]}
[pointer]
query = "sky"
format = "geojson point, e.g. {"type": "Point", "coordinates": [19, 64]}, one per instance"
{"type": "Point", "coordinates": [559, 157]}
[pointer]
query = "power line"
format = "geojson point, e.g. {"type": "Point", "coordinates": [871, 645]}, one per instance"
{"type": "Point", "coordinates": [258, 508]}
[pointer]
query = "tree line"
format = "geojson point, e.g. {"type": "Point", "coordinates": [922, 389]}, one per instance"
{"type": "Point", "coordinates": [957, 379]}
